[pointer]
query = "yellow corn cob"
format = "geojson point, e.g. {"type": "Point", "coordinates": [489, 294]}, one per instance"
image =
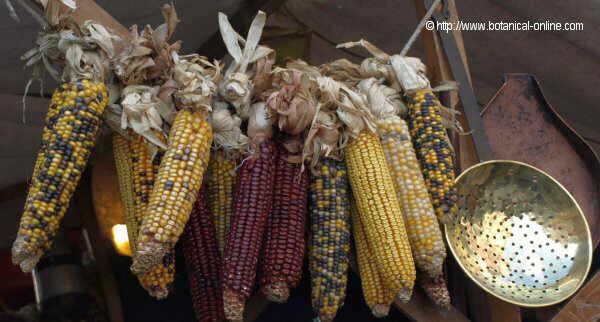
{"type": "Point", "coordinates": [176, 188]}
{"type": "Point", "coordinates": [158, 280]}
{"type": "Point", "coordinates": [433, 150]}
{"type": "Point", "coordinates": [72, 124]}
{"type": "Point", "coordinates": [221, 180]}
{"type": "Point", "coordinates": [423, 230]}
{"type": "Point", "coordinates": [122, 154]}
{"type": "Point", "coordinates": [378, 297]}
{"type": "Point", "coordinates": [379, 211]}
{"type": "Point", "coordinates": [132, 159]}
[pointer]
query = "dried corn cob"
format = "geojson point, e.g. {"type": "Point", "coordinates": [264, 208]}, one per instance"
{"type": "Point", "coordinates": [329, 242]}
{"type": "Point", "coordinates": [283, 252]}
{"type": "Point", "coordinates": [251, 206]}
{"type": "Point", "coordinates": [422, 227]}
{"type": "Point", "coordinates": [158, 280]}
{"type": "Point", "coordinates": [203, 262]}
{"type": "Point", "coordinates": [177, 184]}
{"type": "Point", "coordinates": [435, 288]}
{"type": "Point", "coordinates": [378, 297]}
{"type": "Point", "coordinates": [428, 134]}
{"type": "Point", "coordinates": [122, 154]}
{"type": "Point", "coordinates": [71, 134]}
{"type": "Point", "coordinates": [433, 150]}
{"type": "Point", "coordinates": [220, 180]}
{"type": "Point", "coordinates": [379, 210]}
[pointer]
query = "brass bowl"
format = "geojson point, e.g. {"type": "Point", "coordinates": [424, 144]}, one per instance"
{"type": "Point", "coordinates": [519, 234]}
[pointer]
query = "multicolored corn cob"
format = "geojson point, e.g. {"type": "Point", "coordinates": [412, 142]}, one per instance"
{"type": "Point", "coordinates": [423, 230]}
{"type": "Point", "coordinates": [177, 184]}
{"type": "Point", "coordinates": [159, 279]}
{"type": "Point", "coordinates": [136, 172]}
{"type": "Point", "coordinates": [203, 262]}
{"type": "Point", "coordinates": [329, 242]}
{"type": "Point", "coordinates": [378, 297]}
{"type": "Point", "coordinates": [380, 213]}
{"type": "Point", "coordinates": [221, 180]}
{"type": "Point", "coordinates": [69, 135]}
{"type": "Point", "coordinates": [284, 243]}
{"type": "Point", "coordinates": [252, 203]}
{"type": "Point", "coordinates": [122, 154]}
{"type": "Point", "coordinates": [435, 288]}
{"type": "Point", "coordinates": [433, 150]}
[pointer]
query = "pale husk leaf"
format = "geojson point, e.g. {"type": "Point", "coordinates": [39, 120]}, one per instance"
{"type": "Point", "coordinates": [236, 86]}
{"type": "Point", "coordinates": [197, 80]}
{"type": "Point", "coordinates": [227, 132]}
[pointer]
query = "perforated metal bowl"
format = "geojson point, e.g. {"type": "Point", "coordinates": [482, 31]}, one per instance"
{"type": "Point", "coordinates": [519, 234]}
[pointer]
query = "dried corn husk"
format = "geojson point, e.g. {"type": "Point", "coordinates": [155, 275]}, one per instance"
{"type": "Point", "coordinates": [292, 99]}
{"type": "Point", "coordinates": [227, 132]}
{"type": "Point", "coordinates": [197, 80]}
{"type": "Point", "coordinates": [236, 87]}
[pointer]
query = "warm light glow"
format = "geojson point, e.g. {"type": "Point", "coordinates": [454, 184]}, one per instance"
{"type": "Point", "coordinates": [121, 239]}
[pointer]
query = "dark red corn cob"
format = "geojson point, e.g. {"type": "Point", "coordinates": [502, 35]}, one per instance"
{"type": "Point", "coordinates": [281, 265]}
{"type": "Point", "coordinates": [203, 262]}
{"type": "Point", "coordinates": [253, 196]}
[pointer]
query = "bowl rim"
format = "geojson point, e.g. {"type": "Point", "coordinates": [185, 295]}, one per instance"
{"type": "Point", "coordinates": [579, 210]}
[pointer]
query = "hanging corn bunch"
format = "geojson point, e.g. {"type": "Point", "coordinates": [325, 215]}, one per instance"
{"type": "Point", "coordinates": [422, 227]}
{"type": "Point", "coordinates": [186, 158]}
{"type": "Point", "coordinates": [375, 195]}
{"type": "Point", "coordinates": [70, 130]}
{"type": "Point", "coordinates": [428, 134]}
{"type": "Point", "coordinates": [378, 297]}
{"type": "Point", "coordinates": [203, 262]}
{"type": "Point", "coordinates": [252, 203]}
{"type": "Point", "coordinates": [229, 144]}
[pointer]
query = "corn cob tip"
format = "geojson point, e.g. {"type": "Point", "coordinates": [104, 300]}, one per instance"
{"type": "Point", "coordinates": [404, 294]}
{"type": "Point", "coordinates": [22, 257]}
{"type": "Point", "coordinates": [233, 305]}
{"type": "Point", "coordinates": [159, 294]}
{"type": "Point", "coordinates": [380, 310]}
{"type": "Point", "coordinates": [436, 290]}
{"type": "Point", "coordinates": [147, 256]}
{"type": "Point", "coordinates": [324, 318]}
{"type": "Point", "coordinates": [276, 292]}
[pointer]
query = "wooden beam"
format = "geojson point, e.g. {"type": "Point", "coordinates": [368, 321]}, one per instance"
{"type": "Point", "coordinates": [240, 21]}
{"type": "Point", "coordinates": [583, 307]}
{"type": "Point", "coordinates": [482, 306]}
{"type": "Point", "coordinates": [420, 308]}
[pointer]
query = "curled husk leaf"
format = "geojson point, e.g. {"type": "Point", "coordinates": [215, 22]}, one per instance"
{"type": "Point", "coordinates": [80, 52]}
{"type": "Point", "coordinates": [260, 125]}
{"type": "Point", "coordinates": [292, 99]}
{"type": "Point", "coordinates": [410, 73]}
{"type": "Point", "coordinates": [227, 132]}
{"type": "Point", "coordinates": [140, 112]}
{"type": "Point", "coordinates": [352, 106]}
{"type": "Point", "coordinates": [322, 139]}
{"type": "Point", "coordinates": [237, 87]}
{"type": "Point", "coordinates": [147, 56]}
{"type": "Point", "coordinates": [385, 102]}
{"type": "Point", "coordinates": [197, 80]}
